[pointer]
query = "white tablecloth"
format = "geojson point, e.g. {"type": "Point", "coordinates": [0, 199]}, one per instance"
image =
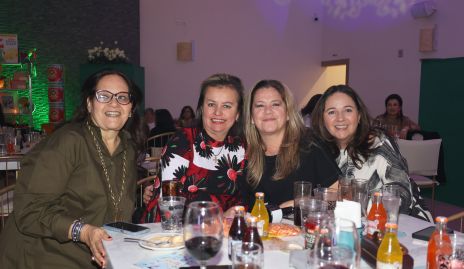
{"type": "Point", "coordinates": [124, 255]}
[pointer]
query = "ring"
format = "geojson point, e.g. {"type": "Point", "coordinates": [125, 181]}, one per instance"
{"type": "Point", "coordinates": [93, 258]}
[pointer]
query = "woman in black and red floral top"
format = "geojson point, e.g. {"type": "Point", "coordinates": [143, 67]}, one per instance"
{"type": "Point", "coordinates": [209, 160]}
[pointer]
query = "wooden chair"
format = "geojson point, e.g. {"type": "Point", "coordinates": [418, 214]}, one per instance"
{"type": "Point", "coordinates": [156, 143]}
{"type": "Point", "coordinates": [458, 216]}
{"type": "Point", "coordinates": [6, 203]}
{"type": "Point", "coordinates": [422, 159]}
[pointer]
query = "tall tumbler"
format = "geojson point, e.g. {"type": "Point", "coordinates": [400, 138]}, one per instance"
{"type": "Point", "coordinates": [301, 190]}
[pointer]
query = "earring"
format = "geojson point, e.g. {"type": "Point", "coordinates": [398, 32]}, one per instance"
{"type": "Point", "coordinates": [130, 114]}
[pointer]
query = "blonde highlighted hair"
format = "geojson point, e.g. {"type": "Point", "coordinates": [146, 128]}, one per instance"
{"type": "Point", "coordinates": [288, 158]}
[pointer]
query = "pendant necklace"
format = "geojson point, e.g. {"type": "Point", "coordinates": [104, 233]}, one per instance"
{"type": "Point", "coordinates": [115, 200]}
{"type": "Point", "coordinates": [215, 156]}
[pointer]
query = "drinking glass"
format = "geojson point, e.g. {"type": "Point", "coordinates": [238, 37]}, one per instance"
{"type": "Point", "coordinates": [328, 195]}
{"type": "Point", "coordinates": [203, 231]}
{"type": "Point", "coordinates": [171, 209]}
{"type": "Point", "coordinates": [301, 189]}
{"type": "Point", "coordinates": [360, 194]}
{"type": "Point", "coordinates": [338, 245]}
{"type": "Point", "coordinates": [391, 190]}
{"type": "Point", "coordinates": [392, 207]}
{"type": "Point", "coordinates": [457, 257]}
{"type": "Point", "coordinates": [247, 255]}
{"type": "Point", "coordinates": [344, 187]}
{"type": "Point", "coordinates": [308, 205]}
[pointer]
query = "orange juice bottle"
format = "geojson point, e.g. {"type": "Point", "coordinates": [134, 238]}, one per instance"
{"type": "Point", "coordinates": [377, 216]}
{"type": "Point", "coordinates": [260, 212]}
{"type": "Point", "coordinates": [439, 249]}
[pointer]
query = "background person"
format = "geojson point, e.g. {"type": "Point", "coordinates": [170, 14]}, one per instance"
{"type": "Point", "coordinates": [280, 150]}
{"type": "Point", "coordinates": [308, 109]}
{"type": "Point", "coordinates": [164, 124]}
{"type": "Point", "coordinates": [393, 118]}
{"type": "Point", "coordinates": [82, 176]}
{"type": "Point", "coordinates": [186, 118]}
{"type": "Point", "coordinates": [208, 160]}
{"type": "Point", "coordinates": [149, 120]}
{"type": "Point", "coordinates": [341, 120]}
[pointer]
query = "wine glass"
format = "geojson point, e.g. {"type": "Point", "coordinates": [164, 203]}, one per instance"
{"type": "Point", "coordinates": [203, 230]}
{"type": "Point", "coordinates": [337, 246]}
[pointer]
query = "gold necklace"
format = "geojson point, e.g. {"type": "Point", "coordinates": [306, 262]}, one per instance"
{"type": "Point", "coordinates": [102, 162]}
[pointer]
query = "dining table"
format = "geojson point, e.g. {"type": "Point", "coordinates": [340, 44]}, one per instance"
{"type": "Point", "coordinates": [130, 255]}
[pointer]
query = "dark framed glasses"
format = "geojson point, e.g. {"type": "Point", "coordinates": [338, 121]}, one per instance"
{"type": "Point", "coordinates": [104, 96]}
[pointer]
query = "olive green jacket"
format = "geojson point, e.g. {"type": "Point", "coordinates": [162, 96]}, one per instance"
{"type": "Point", "coordinates": [61, 179]}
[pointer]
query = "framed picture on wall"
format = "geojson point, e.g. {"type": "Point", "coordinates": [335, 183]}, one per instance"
{"type": "Point", "coordinates": [9, 102]}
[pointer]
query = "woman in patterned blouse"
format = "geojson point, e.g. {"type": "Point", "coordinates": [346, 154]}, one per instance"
{"type": "Point", "coordinates": [341, 120]}
{"type": "Point", "coordinates": [209, 160]}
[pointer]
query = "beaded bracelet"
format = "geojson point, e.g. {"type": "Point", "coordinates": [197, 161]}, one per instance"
{"type": "Point", "coordinates": [76, 230]}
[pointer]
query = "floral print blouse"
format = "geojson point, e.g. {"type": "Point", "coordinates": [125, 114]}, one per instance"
{"type": "Point", "coordinates": [208, 170]}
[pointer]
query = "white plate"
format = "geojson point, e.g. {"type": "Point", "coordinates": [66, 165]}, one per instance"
{"type": "Point", "coordinates": [177, 241]}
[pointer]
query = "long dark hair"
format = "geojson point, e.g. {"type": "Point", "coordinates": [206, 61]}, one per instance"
{"type": "Point", "coordinates": [223, 80]}
{"type": "Point", "coordinates": [362, 140]}
{"type": "Point", "coordinates": [133, 124]}
{"type": "Point", "coordinates": [163, 118]}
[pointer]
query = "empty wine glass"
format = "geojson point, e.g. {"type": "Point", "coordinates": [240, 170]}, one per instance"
{"type": "Point", "coordinates": [337, 246]}
{"type": "Point", "coordinates": [203, 231]}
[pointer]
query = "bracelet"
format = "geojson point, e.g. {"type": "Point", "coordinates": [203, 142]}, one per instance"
{"type": "Point", "coordinates": [76, 230]}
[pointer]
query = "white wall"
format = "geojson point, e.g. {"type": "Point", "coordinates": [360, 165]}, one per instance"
{"type": "Point", "coordinates": [253, 39]}
{"type": "Point", "coordinates": [371, 39]}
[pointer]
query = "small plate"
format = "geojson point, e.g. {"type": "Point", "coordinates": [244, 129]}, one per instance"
{"type": "Point", "coordinates": [176, 241]}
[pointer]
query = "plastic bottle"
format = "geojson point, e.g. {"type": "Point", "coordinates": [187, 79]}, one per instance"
{"type": "Point", "coordinates": [439, 248]}
{"type": "Point", "coordinates": [251, 233]}
{"type": "Point", "coordinates": [377, 216]}
{"type": "Point", "coordinates": [260, 212]}
{"type": "Point", "coordinates": [389, 254]}
{"type": "Point", "coordinates": [237, 229]}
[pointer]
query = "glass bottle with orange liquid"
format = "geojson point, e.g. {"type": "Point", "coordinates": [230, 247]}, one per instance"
{"type": "Point", "coordinates": [439, 249]}
{"type": "Point", "coordinates": [389, 254]}
{"type": "Point", "coordinates": [377, 216]}
{"type": "Point", "coordinates": [260, 212]}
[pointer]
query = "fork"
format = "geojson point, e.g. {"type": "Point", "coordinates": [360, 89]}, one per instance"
{"type": "Point", "coordinates": [129, 239]}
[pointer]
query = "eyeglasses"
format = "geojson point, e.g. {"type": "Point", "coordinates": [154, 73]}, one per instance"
{"type": "Point", "coordinates": [104, 96]}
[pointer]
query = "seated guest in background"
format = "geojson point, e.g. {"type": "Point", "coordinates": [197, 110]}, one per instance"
{"type": "Point", "coordinates": [164, 124]}
{"type": "Point", "coordinates": [394, 118]}
{"type": "Point", "coordinates": [149, 120]}
{"type": "Point", "coordinates": [80, 177]}
{"type": "Point", "coordinates": [280, 150]}
{"type": "Point", "coordinates": [186, 118]}
{"type": "Point", "coordinates": [308, 109]}
{"type": "Point", "coordinates": [341, 120]}
{"type": "Point", "coordinates": [208, 160]}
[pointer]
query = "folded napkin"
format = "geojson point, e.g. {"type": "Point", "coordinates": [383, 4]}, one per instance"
{"type": "Point", "coordinates": [350, 210]}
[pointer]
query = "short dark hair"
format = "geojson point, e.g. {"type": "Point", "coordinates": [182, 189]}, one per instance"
{"type": "Point", "coordinates": [309, 107]}
{"type": "Point", "coordinates": [223, 80]}
{"type": "Point", "coordinates": [398, 98]}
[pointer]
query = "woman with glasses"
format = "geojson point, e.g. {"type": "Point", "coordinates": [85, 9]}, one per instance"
{"type": "Point", "coordinates": [79, 178]}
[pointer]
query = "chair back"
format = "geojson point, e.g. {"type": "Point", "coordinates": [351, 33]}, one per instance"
{"type": "Point", "coordinates": [421, 155]}
{"type": "Point", "coordinates": [157, 142]}
{"type": "Point", "coordinates": [6, 203]}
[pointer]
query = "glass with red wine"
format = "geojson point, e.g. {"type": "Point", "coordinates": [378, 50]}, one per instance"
{"type": "Point", "coordinates": [203, 231]}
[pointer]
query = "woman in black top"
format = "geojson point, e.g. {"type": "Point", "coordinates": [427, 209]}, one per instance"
{"type": "Point", "coordinates": [280, 149]}
{"type": "Point", "coordinates": [164, 123]}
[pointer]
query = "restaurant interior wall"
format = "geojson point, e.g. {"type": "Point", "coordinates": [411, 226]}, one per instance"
{"type": "Point", "coordinates": [252, 39]}
{"type": "Point", "coordinates": [62, 32]}
{"type": "Point", "coordinates": [381, 39]}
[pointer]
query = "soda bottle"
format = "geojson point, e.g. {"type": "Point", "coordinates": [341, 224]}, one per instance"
{"type": "Point", "coordinates": [377, 216]}
{"type": "Point", "coordinates": [251, 233]}
{"type": "Point", "coordinates": [237, 229]}
{"type": "Point", "coordinates": [439, 249]}
{"type": "Point", "coordinates": [389, 254]}
{"type": "Point", "coordinates": [260, 212]}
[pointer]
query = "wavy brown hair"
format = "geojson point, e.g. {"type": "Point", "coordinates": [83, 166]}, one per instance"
{"type": "Point", "coordinates": [360, 144]}
{"type": "Point", "coordinates": [288, 157]}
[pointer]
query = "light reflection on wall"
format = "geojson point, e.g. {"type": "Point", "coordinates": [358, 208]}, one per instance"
{"type": "Point", "coordinates": [367, 13]}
